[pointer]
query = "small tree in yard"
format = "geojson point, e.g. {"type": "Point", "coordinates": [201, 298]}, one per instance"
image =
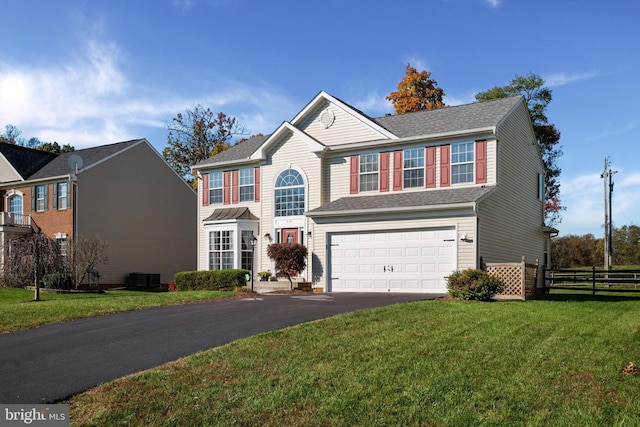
{"type": "Point", "coordinates": [290, 259]}
{"type": "Point", "coordinates": [86, 254]}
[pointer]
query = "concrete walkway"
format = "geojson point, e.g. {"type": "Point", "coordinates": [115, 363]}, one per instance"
{"type": "Point", "coordinates": [52, 363]}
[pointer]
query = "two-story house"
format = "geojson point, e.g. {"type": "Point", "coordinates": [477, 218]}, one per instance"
{"type": "Point", "coordinates": [125, 193]}
{"type": "Point", "coordinates": [389, 204]}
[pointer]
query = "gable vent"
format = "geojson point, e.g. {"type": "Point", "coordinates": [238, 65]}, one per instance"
{"type": "Point", "coordinates": [327, 118]}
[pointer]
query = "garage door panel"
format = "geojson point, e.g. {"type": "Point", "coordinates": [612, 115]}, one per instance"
{"type": "Point", "coordinates": [400, 261]}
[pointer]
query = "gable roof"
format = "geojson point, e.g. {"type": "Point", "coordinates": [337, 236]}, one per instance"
{"type": "Point", "coordinates": [90, 156]}
{"type": "Point", "coordinates": [476, 116]}
{"type": "Point", "coordinates": [25, 161]}
{"type": "Point", "coordinates": [458, 118]}
{"type": "Point", "coordinates": [404, 201]}
{"type": "Point", "coordinates": [238, 151]}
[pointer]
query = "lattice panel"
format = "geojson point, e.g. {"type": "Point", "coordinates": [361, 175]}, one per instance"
{"type": "Point", "coordinates": [511, 275]}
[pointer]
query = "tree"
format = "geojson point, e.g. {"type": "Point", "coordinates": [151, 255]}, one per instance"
{"type": "Point", "coordinates": [11, 135]}
{"type": "Point", "coordinates": [86, 254]}
{"type": "Point", "coordinates": [290, 259]}
{"type": "Point", "coordinates": [538, 98]}
{"type": "Point", "coordinates": [54, 147]}
{"type": "Point", "coordinates": [417, 91]}
{"type": "Point", "coordinates": [29, 260]}
{"type": "Point", "coordinates": [195, 136]}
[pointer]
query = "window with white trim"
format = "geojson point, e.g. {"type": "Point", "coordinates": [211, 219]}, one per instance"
{"type": "Point", "coordinates": [215, 187]}
{"type": "Point", "coordinates": [63, 194]}
{"type": "Point", "coordinates": [14, 204]}
{"type": "Point", "coordinates": [462, 157]}
{"type": "Point", "coordinates": [246, 261]}
{"type": "Point", "coordinates": [369, 167]}
{"type": "Point", "coordinates": [220, 250]}
{"type": "Point", "coordinates": [413, 167]}
{"type": "Point", "coordinates": [41, 198]}
{"type": "Point", "coordinates": [246, 178]}
{"type": "Point", "coordinates": [289, 194]}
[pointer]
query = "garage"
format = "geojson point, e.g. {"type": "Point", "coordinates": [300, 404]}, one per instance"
{"type": "Point", "coordinates": [415, 260]}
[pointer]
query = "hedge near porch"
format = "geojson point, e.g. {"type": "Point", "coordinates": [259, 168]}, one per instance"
{"type": "Point", "coordinates": [210, 279]}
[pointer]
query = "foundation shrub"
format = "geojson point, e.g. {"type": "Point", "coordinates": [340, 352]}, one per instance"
{"type": "Point", "coordinates": [474, 284]}
{"type": "Point", "coordinates": [210, 279]}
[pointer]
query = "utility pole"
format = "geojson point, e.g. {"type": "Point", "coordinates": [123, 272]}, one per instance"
{"type": "Point", "coordinates": [608, 220]}
{"type": "Point", "coordinates": [606, 216]}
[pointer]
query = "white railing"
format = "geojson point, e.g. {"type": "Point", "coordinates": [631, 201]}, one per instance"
{"type": "Point", "coordinates": [9, 218]}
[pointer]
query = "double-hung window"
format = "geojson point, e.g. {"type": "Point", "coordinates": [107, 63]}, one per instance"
{"type": "Point", "coordinates": [247, 250]}
{"type": "Point", "coordinates": [220, 250]}
{"type": "Point", "coordinates": [246, 179]}
{"type": "Point", "coordinates": [215, 187]}
{"type": "Point", "coordinates": [413, 167]}
{"type": "Point", "coordinates": [41, 198]}
{"type": "Point", "coordinates": [462, 156]}
{"type": "Point", "coordinates": [369, 172]}
{"type": "Point", "coordinates": [62, 190]}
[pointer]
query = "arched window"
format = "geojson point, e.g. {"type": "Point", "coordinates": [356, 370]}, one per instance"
{"type": "Point", "coordinates": [15, 204]}
{"type": "Point", "coordinates": [289, 197]}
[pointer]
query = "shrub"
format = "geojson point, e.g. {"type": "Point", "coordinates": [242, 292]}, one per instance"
{"type": "Point", "coordinates": [473, 284]}
{"type": "Point", "coordinates": [210, 279]}
{"type": "Point", "coordinates": [58, 281]}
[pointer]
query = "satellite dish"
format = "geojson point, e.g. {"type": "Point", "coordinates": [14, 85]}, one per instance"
{"type": "Point", "coordinates": [75, 162]}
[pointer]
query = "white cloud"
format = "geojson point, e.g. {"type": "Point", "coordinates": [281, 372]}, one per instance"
{"type": "Point", "coordinates": [89, 100]}
{"type": "Point", "coordinates": [561, 79]}
{"type": "Point", "coordinates": [493, 3]}
{"type": "Point", "coordinates": [583, 196]}
{"type": "Point", "coordinates": [374, 105]}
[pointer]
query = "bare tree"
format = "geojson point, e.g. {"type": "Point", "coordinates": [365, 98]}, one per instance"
{"type": "Point", "coordinates": [86, 254]}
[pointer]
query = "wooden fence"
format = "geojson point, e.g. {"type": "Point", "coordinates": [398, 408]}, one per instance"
{"type": "Point", "coordinates": [593, 280]}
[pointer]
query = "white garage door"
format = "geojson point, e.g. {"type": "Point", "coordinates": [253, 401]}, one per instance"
{"type": "Point", "coordinates": [392, 261]}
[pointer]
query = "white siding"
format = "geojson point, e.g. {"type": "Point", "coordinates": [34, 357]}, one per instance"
{"type": "Point", "coordinates": [344, 129]}
{"type": "Point", "coordinates": [7, 173]}
{"type": "Point", "coordinates": [465, 225]}
{"type": "Point", "coordinates": [511, 218]}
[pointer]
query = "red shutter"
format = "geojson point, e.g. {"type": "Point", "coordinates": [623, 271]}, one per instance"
{"type": "Point", "coordinates": [384, 171]}
{"type": "Point", "coordinates": [430, 182]}
{"type": "Point", "coordinates": [397, 170]}
{"type": "Point", "coordinates": [481, 162]}
{"type": "Point", "coordinates": [256, 184]}
{"type": "Point", "coordinates": [205, 189]}
{"type": "Point", "coordinates": [234, 186]}
{"type": "Point", "coordinates": [353, 175]}
{"type": "Point", "coordinates": [226, 187]}
{"type": "Point", "coordinates": [445, 165]}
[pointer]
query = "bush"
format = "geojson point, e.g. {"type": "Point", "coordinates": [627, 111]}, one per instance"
{"type": "Point", "coordinates": [212, 280]}
{"type": "Point", "coordinates": [58, 281]}
{"type": "Point", "coordinates": [290, 259]}
{"type": "Point", "coordinates": [472, 284]}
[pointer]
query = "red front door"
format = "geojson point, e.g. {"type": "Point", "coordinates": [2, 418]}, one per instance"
{"type": "Point", "coordinates": [290, 235]}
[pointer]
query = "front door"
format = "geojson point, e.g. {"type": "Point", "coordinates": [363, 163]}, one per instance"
{"type": "Point", "coordinates": [290, 235]}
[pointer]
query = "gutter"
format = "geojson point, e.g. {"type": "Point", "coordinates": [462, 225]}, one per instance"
{"type": "Point", "coordinates": [404, 209]}
{"type": "Point", "coordinates": [411, 139]}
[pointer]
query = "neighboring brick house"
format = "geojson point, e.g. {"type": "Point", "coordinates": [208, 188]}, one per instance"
{"type": "Point", "coordinates": [389, 204]}
{"type": "Point", "coordinates": [124, 192]}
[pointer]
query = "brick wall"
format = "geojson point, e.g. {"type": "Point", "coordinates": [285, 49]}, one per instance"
{"type": "Point", "coordinates": [51, 221]}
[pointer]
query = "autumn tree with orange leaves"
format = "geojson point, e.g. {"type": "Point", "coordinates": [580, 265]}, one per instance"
{"type": "Point", "coordinates": [417, 91]}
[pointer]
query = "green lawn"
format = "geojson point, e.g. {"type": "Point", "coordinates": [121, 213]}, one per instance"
{"type": "Point", "coordinates": [19, 311]}
{"type": "Point", "coordinates": [435, 363]}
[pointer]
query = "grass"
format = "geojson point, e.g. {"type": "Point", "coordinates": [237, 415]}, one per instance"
{"type": "Point", "coordinates": [19, 311]}
{"type": "Point", "coordinates": [433, 363]}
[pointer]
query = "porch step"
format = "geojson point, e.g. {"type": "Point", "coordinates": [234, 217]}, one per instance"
{"type": "Point", "coordinates": [265, 287]}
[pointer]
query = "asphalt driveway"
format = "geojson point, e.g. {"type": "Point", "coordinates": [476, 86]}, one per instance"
{"type": "Point", "coordinates": [52, 363]}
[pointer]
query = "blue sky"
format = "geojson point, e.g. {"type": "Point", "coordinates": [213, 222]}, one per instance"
{"type": "Point", "coordinates": [94, 72]}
